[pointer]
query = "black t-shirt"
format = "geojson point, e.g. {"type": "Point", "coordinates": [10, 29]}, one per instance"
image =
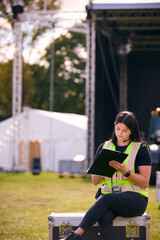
{"type": "Point", "coordinates": [143, 157]}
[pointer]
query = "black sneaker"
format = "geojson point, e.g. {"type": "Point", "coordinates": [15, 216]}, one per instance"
{"type": "Point", "coordinates": [72, 236]}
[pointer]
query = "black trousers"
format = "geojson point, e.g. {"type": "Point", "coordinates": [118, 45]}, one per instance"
{"type": "Point", "coordinates": [109, 206]}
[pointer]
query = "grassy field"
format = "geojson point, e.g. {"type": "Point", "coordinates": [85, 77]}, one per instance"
{"type": "Point", "coordinates": [27, 200]}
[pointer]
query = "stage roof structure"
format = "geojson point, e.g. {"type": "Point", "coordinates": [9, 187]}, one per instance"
{"type": "Point", "coordinates": [138, 24]}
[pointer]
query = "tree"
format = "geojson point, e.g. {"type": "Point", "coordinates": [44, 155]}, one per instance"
{"type": "Point", "coordinates": [29, 5]}
{"type": "Point", "coordinates": [28, 89]}
{"type": "Point", "coordinates": [6, 88]}
{"type": "Point", "coordinates": [69, 87]}
{"type": "Point", "coordinates": [40, 98]}
{"type": "Point", "coordinates": [69, 78]}
{"type": "Point", "coordinates": [69, 82]}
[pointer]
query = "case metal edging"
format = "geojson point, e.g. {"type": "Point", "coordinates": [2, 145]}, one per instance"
{"type": "Point", "coordinates": [51, 225]}
{"type": "Point", "coordinates": [147, 225]}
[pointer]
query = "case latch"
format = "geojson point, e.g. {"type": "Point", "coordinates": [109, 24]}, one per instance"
{"type": "Point", "coordinates": [132, 230]}
{"type": "Point", "coordinates": [64, 229]}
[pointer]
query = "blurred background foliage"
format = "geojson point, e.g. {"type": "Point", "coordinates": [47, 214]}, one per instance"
{"type": "Point", "coordinates": [69, 68]}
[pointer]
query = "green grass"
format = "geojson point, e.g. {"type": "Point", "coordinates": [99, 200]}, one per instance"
{"type": "Point", "coordinates": [27, 200]}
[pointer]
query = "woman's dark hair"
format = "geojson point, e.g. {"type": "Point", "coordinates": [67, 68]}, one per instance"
{"type": "Point", "coordinates": [130, 120]}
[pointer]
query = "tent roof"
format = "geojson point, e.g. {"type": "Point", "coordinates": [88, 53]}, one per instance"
{"type": "Point", "coordinates": [76, 120]}
{"type": "Point", "coordinates": [38, 124]}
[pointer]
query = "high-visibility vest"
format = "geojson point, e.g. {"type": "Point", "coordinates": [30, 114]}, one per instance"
{"type": "Point", "coordinates": [118, 178]}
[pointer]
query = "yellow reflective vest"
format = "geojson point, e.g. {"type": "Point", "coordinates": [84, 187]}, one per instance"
{"type": "Point", "coordinates": [118, 178]}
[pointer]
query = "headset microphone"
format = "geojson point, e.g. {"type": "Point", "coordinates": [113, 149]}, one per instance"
{"type": "Point", "coordinates": [126, 140]}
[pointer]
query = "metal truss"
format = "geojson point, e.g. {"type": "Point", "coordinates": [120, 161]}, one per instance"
{"type": "Point", "coordinates": [51, 16]}
{"type": "Point", "coordinates": [17, 70]}
{"type": "Point", "coordinates": [42, 18]}
{"type": "Point", "coordinates": [90, 90]}
{"type": "Point", "coordinates": [16, 86]}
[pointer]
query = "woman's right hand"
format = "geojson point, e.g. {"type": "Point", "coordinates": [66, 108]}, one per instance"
{"type": "Point", "coordinates": [96, 179]}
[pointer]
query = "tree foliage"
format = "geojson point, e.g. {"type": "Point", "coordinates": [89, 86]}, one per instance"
{"type": "Point", "coordinates": [69, 79]}
{"type": "Point", "coordinates": [32, 30]}
{"type": "Point", "coordinates": [69, 68]}
{"type": "Point", "coordinates": [5, 89]}
{"type": "Point", "coordinates": [41, 87]}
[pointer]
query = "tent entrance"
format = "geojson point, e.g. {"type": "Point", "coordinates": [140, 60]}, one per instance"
{"type": "Point", "coordinates": [28, 161]}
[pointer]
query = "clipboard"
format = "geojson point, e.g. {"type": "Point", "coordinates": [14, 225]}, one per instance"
{"type": "Point", "coordinates": [101, 164]}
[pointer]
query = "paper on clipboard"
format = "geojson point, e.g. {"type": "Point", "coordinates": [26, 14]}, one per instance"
{"type": "Point", "coordinates": [101, 164]}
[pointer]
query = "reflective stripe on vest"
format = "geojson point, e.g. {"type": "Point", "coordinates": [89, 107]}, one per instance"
{"type": "Point", "coordinates": [118, 178]}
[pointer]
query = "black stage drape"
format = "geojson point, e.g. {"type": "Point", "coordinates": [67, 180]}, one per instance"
{"type": "Point", "coordinates": [143, 88]}
{"type": "Point", "coordinates": [106, 91]}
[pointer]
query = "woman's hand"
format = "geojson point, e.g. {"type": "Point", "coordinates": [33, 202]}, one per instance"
{"type": "Point", "coordinates": [120, 167]}
{"type": "Point", "coordinates": [140, 179]}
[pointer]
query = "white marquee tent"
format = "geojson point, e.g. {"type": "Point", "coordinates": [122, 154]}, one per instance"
{"type": "Point", "coordinates": [51, 136]}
